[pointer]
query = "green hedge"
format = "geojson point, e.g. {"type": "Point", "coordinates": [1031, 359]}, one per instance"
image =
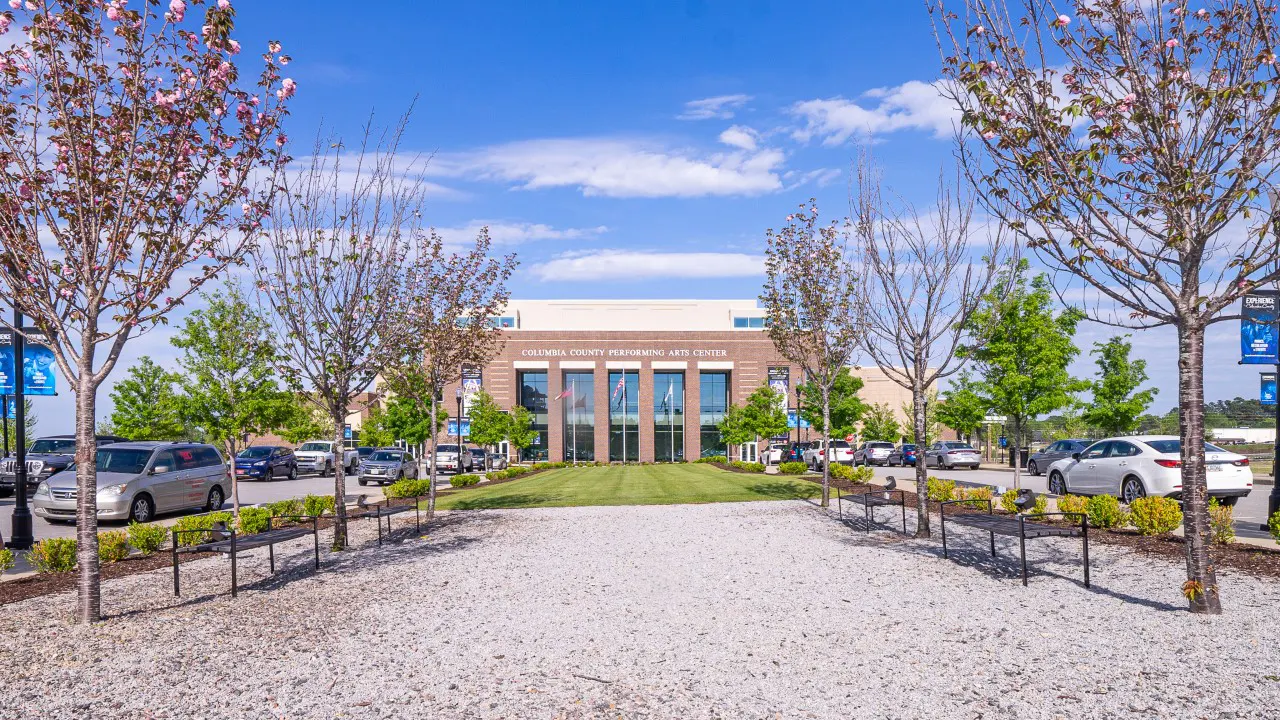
{"type": "Point", "coordinates": [793, 468]}
{"type": "Point", "coordinates": [465, 480]}
{"type": "Point", "coordinates": [199, 522]}
{"type": "Point", "coordinates": [1153, 515]}
{"type": "Point", "coordinates": [408, 488]}
{"type": "Point", "coordinates": [1105, 512]}
{"type": "Point", "coordinates": [317, 505]}
{"type": "Point", "coordinates": [146, 537]}
{"type": "Point", "coordinates": [713, 459]}
{"type": "Point", "coordinates": [253, 520]}
{"type": "Point", "coordinates": [748, 466]}
{"type": "Point", "coordinates": [511, 472]}
{"type": "Point", "coordinates": [6, 560]}
{"type": "Point", "coordinates": [54, 555]}
{"type": "Point", "coordinates": [113, 546]}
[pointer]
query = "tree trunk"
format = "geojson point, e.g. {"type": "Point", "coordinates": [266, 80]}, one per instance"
{"type": "Point", "coordinates": [826, 446]}
{"type": "Point", "coordinates": [431, 490]}
{"type": "Point", "coordinates": [1016, 451]}
{"type": "Point", "coordinates": [339, 481]}
{"type": "Point", "coordinates": [1201, 588]}
{"type": "Point", "coordinates": [922, 475]}
{"type": "Point", "coordinates": [89, 606]}
{"type": "Point", "coordinates": [230, 447]}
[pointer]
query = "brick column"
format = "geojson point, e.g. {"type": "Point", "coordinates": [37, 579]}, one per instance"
{"type": "Point", "coordinates": [692, 414]}
{"type": "Point", "coordinates": [602, 412]}
{"type": "Point", "coordinates": [555, 413]}
{"type": "Point", "coordinates": [644, 405]}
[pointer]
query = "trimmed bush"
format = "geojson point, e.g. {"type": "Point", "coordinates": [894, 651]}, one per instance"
{"type": "Point", "coordinates": [861, 475]}
{"type": "Point", "coordinates": [1222, 527]}
{"type": "Point", "coordinates": [1073, 504]}
{"type": "Point", "coordinates": [317, 505]}
{"type": "Point", "coordinates": [1041, 505]}
{"type": "Point", "coordinates": [54, 555]}
{"type": "Point", "coordinates": [407, 489]}
{"type": "Point", "coordinates": [1007, 500]}
{"type": "Point", "coordinates": [980, 493]}
{"type": "Point", "coordinates": [146, 538]}
{"type": "Point", "coordinates": [253, 520]}
{"type": "Point", "coordinates": [941, 490]}
{"type": "Point", "coordinates": [714, 459]}
{"type": "Point", "coordinates": [793, 468]}
{"type": "Point", "coordinates": [1105, 512]}
{"type": "Point", "coordinates": [549, 465]}
{"type": "Point", "coordinates": [1155, 515]}
{"type": "Point", "coordinates": [748, 466]}
{"type": "Point", "coordinates": [286, 508]}
{"type": "Point", "coordinates": [843, 472]}
{"type": "Point", "coordinates": [199, 522]}
{"type": "Point", "coordinates": [6, 560]}
{"type": "Point", "coordinates": [1273, 524]}
{"type": "Point", "coordinates": [113, 546]}
{"type": "Point", "coordinates": [960, 492]}
{"type": "Point", "coordinates": [465, 480]}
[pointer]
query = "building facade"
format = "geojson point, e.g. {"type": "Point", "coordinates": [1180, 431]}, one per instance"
{"type": "Point", "coordinates": [635, 381]}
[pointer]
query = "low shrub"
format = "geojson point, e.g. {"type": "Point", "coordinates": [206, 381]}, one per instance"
{"type": "Point", "coordinates": [146, 538]}
{"type": "Point", "coordinates": [842, 472]}
{"type": "Point", "coordinates": [1273, 524]}
{"type": "Point", "coordinates": [113, 546]}
{"type": "Point", "coordinates": [1041, 505]}
{"type": "Point", "coordinates": [715, 459]}
{"type": "Point", "coordinates": [54, 555]}
{"type": "Point", "coordinates": [6, 560]}
{"type": "Point", "coordinates": [960, 492]}
{"type": "Point", "coordinates": [550, 465]}
{"type": "Point", "coordinates": [286, 508]}
{"type": "Point", "coordinates": [253, 520]}
{"type": "Point", "coordinates": [941, 490]}
{"type": "Point", "coordinates": [861, 475]}
{"type": "Point", "coordinates": [199, 522]}
{"type": "Point", "coordinates": [748, 466]}
{"type": "Point", "coordinates": [317, 505]}
{"type": "Point", "coordinates": [407, 488]}
{"type": "Point", "coordinates": [793, 468]}
{"type": "Point", "coordinates": [1105, 512]}
{"type": "Point", "coordinates": [1073, 504]}
{"type": "Point", "coordinates": [511, 472]}
{"type": "Point", "coordinates": [1008, 500]}
{"type": "Point", "coordinates": [464, 480]}
{"type": "Point", "coordinates": [1222, 527]}
{"type": "Point", "coordinates": [983, 492]}
{"type": "Point", "coordinates": [1155, 515]}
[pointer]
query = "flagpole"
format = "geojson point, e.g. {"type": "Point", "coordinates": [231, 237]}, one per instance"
{"type": "Point", "coordinates": [624, 417]}
{"type": "Point", "coordinates": [573, 387]}
{"type": "Point", "coordinates": [671, 421]}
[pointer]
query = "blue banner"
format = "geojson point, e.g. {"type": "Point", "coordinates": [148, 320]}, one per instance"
{"type": "Point", "coordinates": [1268, 395]}
{"type": "Point", "coordinates": [6, 362]}
{"type": "Point", "coordinates": [11, 409]}
{"type": "Point", "coordinates": [39, 373]}
{"type": "Point", "coordinates": [1259, 344]}
{"type": "Point", "coordinates": [795, 421]}
{"type": "Point", "coordinates": [452, 429]}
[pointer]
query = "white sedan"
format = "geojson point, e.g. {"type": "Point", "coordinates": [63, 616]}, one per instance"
{"type": "Point", "coordinates": [774, 454]}
{"type": "Point", "coordinates": [1141, 465]}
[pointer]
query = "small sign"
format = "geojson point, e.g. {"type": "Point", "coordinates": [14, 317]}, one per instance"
{"type": "Point", "coordinates": [795, 421]}
{"type": "Point", "coordinates": [1004, 441]}
{"type": "Point", "coordinates": [995, 420]}
{"type": "Point", "coordinates": [11, 407]}
{"type": "Point", "coordinates": [452, 429]}
{"type": "Point", "coordinates": [346, 432]}
{"type": "Point", "coordinates": [1268, 394]}
{"type": "Point", "coordinates": [1258, 328]}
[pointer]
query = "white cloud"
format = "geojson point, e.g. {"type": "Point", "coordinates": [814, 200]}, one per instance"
{"type": "Point", "coordinates": [640, 265]}
{"type": "Point", "coordinates": [619, 168]}
{"type": "Point", "coordinates": [741, 137]}
{"type": "Point", "coordinates": [514, 233]}
{"type": "Point", "coordinates": [914, 105]}
{"type": "Point", "coordinates": [720, 107]}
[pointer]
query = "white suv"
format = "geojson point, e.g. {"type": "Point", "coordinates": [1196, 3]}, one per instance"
{"type": "Point", "coordinates": [1142, 465]}
{"type": "Point", "coordinates": [840, 452]}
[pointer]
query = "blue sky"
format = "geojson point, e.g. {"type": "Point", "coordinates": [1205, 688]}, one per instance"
{"type": "Point", "coordinates": [602, 141]}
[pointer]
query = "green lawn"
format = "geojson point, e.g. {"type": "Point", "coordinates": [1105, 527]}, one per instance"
{"type": "Point", "coordinates": [629, 485]}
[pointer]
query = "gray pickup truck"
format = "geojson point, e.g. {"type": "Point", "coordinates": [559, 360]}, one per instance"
{"type": "Point", "coordinates": [46, 456]}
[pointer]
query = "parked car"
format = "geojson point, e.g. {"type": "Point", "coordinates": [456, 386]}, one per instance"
{"type": "Point", "coordinates": [840, 452]}
{"type": "Point", "coordinates": [318, 456]}
{"type": "Point", "coordinates": [497, 461]}
{"type": "Point", "coordinates": [266, 462]}
{"type": "Point", "coordinates": [138, 480]}
{"type": "Point", "coordinates": [796, 453]}
{"type": "Point", "coordinates": [46, 456]}
{"type": "Point", "coordinates": [904, 455]}
{"type": "Point", "coordinates": [363, 452]}
{"type": "Point", "coordinates": [387, 465]}
{"type": "Point", "coordinates": [479, 458]}
{"type": "Point", "coordinates": [773, 455]}
{"type": "Point", "coordinates": [1060, 450]}
{"type": "Point", "coordinates": [449, 460]}
{"type": "Point", "coordinates": [873, 452]}
{"type": "Point", "coordinates": [1141, 465]}
{"type": "Point", "coordinates": [952, 453]}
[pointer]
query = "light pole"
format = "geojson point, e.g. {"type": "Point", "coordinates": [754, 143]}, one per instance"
{"type": "Point", "coordinates": [1273, 501]}
{"type": "Point", "coordinates": [458, 396]}
{"type": "Point", "coordinates": [20, 537]}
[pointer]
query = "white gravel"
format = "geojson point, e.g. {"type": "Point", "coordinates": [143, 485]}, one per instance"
{"type": "Point", "coordinates": [754, 610]}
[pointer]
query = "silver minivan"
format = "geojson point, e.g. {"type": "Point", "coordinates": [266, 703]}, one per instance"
{"type": "Point", "coordinates": [137, 480]}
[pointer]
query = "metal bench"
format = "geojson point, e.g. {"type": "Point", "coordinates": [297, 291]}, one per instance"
{"type": "Point", "coordinates": [227, 541]}
{"type": "Point", "coordinates": [1017, 526]}
{"type": "Point", "coordinates": [872, 500]}
{"type": "Point", "coordinates": [385, 509]}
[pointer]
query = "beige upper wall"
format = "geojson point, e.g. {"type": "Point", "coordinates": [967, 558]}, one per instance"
{"type": "Point", "coordinates": [637, 315]}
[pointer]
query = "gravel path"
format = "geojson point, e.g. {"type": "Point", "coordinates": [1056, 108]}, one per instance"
{"type": "Point", "coordinates": [754, 610]}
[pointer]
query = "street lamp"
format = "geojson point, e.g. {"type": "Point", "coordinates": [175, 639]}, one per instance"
{"type": "Point", "coordinates": [1273, 501]}
{"type": "Point", "coordinates": [458, 395]}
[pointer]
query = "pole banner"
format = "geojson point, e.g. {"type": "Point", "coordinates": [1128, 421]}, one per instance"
{"type": "Point", "coordinates": [1259, 344]}
{"type": "Point", "coordinates": [6, 362]}
{"type": "Point", "coordinates": [780, 382]}
{"type": "Point", "coordinates": [1268, 394]}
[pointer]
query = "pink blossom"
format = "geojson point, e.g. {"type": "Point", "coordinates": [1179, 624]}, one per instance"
{"type": "Point", "coordinates": [1171, 43]}
{"type": "Point", "coordinates": [65, 292]}
{"type": "Point", "coordinates": [1128, 159]}
{"type": "Point", "coordinates": [1177, 11]}
{"type": "Point", "coordinates": [1062, 21]}
{"type": "Point", "coordinates": [15, 4]}
{"type": "Point", "coordinates": [31, 278]}
{"type": "Point", "coordinates": [211, 254]}
{"type": "Point", "coordinates": [224, 4]}
{"type": "Point", "coordinates": [1269, 59]}
{"type": "Point", "coordinates": [140, 295]}
{"type": "Point", "coordinates": [281, 140]}
{"type": "Point", "coordinates": [284, 59]}
{"type": "Point", "coordinates": [24, 192]}
{"type": "Point", "coordinates": [62, 167]}
{"type": "Point", "coordinates": [5, 22]}
{"type": "Point", "coordinates": [988, 135]}
{"type": "Point", "coordinates": [287, 88]}
{"type": "Point", "coordinates": [30, 5]}
{"type": "Point", "coordinates": [1202, 13]}
{"type": "Point", "coordinates": [233, 46]}
{"type": "Point", "coordinates": [113, 13]}
{"type": "Point", "coordinates": [1128, 99]}
{"type": "Point", "coordinates": [273, 46]}
{"type": "Point", "coordinates": [180, 198]}
{"type": "Point", "coordinates": [168, 301]}
{"type": "Point", "coordinates": [979, 30]}
{"type": "Point", "coordinates": [178, 9]}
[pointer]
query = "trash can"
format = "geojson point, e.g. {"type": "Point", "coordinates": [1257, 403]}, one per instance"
{"type": "Point", "coordinates": [1022, 457]}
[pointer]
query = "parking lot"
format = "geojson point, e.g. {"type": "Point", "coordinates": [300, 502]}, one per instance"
{"type": "Point", "coordinates": [251, 492]}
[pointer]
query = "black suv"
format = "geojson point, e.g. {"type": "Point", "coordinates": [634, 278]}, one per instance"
{"type": "Point", "coordinates": [46, 456]}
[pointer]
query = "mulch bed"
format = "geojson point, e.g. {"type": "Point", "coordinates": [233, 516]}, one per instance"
{"type": "Point", "coordinates": [489, 483]}
{"type": "Point", "coordinates": [730, 468]}
{"type": "Point", "coordinates": [1250, 559]}
{"type": "Point", "coordinates": [12, 591]}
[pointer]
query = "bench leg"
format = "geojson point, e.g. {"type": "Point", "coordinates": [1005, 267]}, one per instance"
{"type": "Point", "coordinates": [174, 551]}
{"type": "Point", "coordinates": [867, 509]}
{"type": "Point", "coordinates": [271, 556]}
{"type": "Point", "coordinates": [993, 543]}
{"type": "Point", "coordinates": [315, 537]}
{"type": "Point", "coordinates": [233, 574]}
{"type": "Point", "coordinates": [378, 519]}
{"type": "Point", "coordinates": [1085, 534]}
{"type": "Point", "coordinates": [839, 505]}
{"type": "Point", "coordinates": [904, 514]}
{"type": "Point", "coordinates": [943, 524]}
{"type": "Point", "coordinates": [1022, 539]}
{"type": "Point", "coordinates": [417, 518]}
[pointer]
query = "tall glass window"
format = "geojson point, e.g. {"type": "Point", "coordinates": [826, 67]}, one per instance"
{"type": "Point", "coordinates": [533, 396]}
{"type": "Point", "coordinates": [624, 416]}
{"type": "Point", "coordinates": [714, 389]}
{"type": "Point", "coordinates": [668, 416]}
{"type": "Point", "coordinates": [579, 409]}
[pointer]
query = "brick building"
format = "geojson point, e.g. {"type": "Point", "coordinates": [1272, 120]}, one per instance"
{"type": "Point", "coordinates": [642, 380]}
